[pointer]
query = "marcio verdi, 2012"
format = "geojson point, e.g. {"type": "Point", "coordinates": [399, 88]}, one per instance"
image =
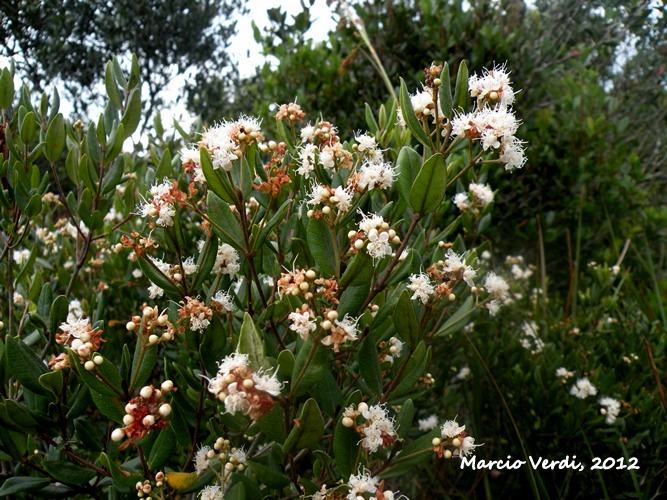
{"type": "Point", "coordinates": [535, 463]}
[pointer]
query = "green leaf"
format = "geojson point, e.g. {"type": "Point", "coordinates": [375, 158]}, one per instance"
{"type": "Point", "coordinates": [206, 261]}
{"type": "Point", "coordinates": [445, 92]}
{"type": "Point", "coordinates": [108, 406]}
{"type": "Point", "coordinates": [459, 319]}
{"type": "Point", "coordinates": [359, 270]}
{"type": "Point", "coordinates": [327, 393]}
{"type": "Point", "coordinates": [217, 181]}
{"type": "Point", "coordinates": [268, 476]}
{"type": "Point", "coordinates": [225, 223]}
{"type": "Point", "coordinates": [414, 125]}
{"type": "Point", "coordinates": [461, 89]}
{"type": "Point", "coordinates": [370, 119]}
{"type": "Point", "coordinates": [18, 484]}
{"type": "Point", "coordinates": [28, 128]}
{"type": "Point", "coordinates": [68, 473]}
{"type": "Point", "coordinates": [164, 167]}
{"type": "Point", "coordinates": [59, 311]}
{"type": "Point", "coordinates": [313, 369]}
{"type": "Point", "coordinates": [95, 384]}
{"type": "Point", "coordinates": [345, 449]}
{"type": "Point", "coordinates": [430, 185]}
{"type": "Point", "coordinates": [6, 89]}
{"type": "Point", "coordinates": [308, 429]}
{"type": "Point", "coordinates": [408, 162]}
{"type": "Point", "coordinates": [250, 343]}
{"type": "Point", "coordinates": [273, 222]}
{"type": "Point", "coordinates": [162, 449]}
{"type": "Point", "coordinates": [322, 246]}
{"type": "Point", "coordinates": [414, 369]}
{"type": "Point", "coordinates": [112, 88]}
{"type": "Point", "coordinates": [416, 452]}
{"type": "Point", "coordinates": [286, 362]}
{"type": "Point", "coordinates": [132, 114]}
{"type": "Point", "coordinates": [55, 138]}
{"type": "Point", "coordinates": [156, 276]}
{"type": "Point", "coordinates": [53, 381]}
{"type": "Point", "coordinates": [353, 298]}
{"type": "Point", "coordinates": [404, 418]}
{"type": "Point", "coordinates": [405, 319]}
{"type": "Point", "coordinates": [143, 363]}
{"type": "Point", "coordinates": [369, 365]}
{"type": "Point", "coordinates": [25, 366]}
{"type": "Point", "coordinates": [123, 479]}
{"type": "Point", "coordinates": [88, 435]}
{"type": "Point", "coordinates": [273, 424]}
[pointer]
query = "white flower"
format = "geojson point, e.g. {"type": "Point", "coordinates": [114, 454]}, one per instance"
{"type": "Point", "coordinates": [583, 388]}
{"type": "Point", "coordinates": [318, 194]}
{"type": "Point", "coordinates": [211, 493]}
{"type": "Point", "coordinates": [496, 286]}
{"type": "Point", "coordinates": [422, 287]}
{"type": "Point", "coordinates": [307, 160]}
{"type": "Point", "coordinates": [366, 142]}
{"type": "Point", "coordinates": [223, 299]}
{"type": "Point", "coordinates": [450, 429]}
{"type": "Point", "coordinates": [20, 256]}
{"type": "Point", "coordinates": [342, 197]}
{"type": "Point", "coordinates": [361, 483]}
{"type": "Point", "coordinates": [307, 133]}
{"type": "Point", "coordinates": [369, 222]}
{"type": "Point", "coordinates": [612, 407]}
{"type": "Point", "coordinates": [76, 327]}
{"type": "Point", "coordinates": [490, 125]}
{"type": "Point", "coordinates": [454, 264]}
{"type": "Point", "coordinates": [201, 459]}
{"type": "Point", "coordinates": [155, 291]}
{"type": "Point", "coordinates": [226, 261]}
{"type": "Point", "coordinates": [379, 426]}
{"type": "Point", "coordinates": [464, 373]}
{"type": "Point", "coordinates": [376, 175]}
{"type": "Point", "coordinates": [267, 382]}
{"type": "Point", "coordinates": [239, 455]}
{"type": "Point", "coordinates": [512, 153]}
{"type": "Point", "coordinates": [563, 372]}
{"type": "Point", "coordinates": [467, 447]}
{"type": "Point", "coordinates": [302, 323]}
{"type": "Point", "coordinates": [519, 273]}
{"type": "Point", "coordinates": [75, 309]}
{"type": "Point", "coordinates": [530, 339]}
{"type": "Point", "coordinates": [494, 306]}
{"type": "Point", "coordinates": [428, 424]}
{"type": "Point", "coordinates": [348, 326]}
{"type": "Point", "coordinates": [461, 201]}
{"type": "Point", "coordinates": [492, 87]}
{"type": "Point", "coordinates": [232, 362]}
{"type": "Point", "coordinates": [378, 245]}
{"type": "Point", "coordinates": [482, 192]}
{"type": "Point", "coordinates": [421, 101]}
{"type": "Point", "coordinates": [189, 266]}
{"type": "Point", "coordinates": [328, 158]}
{"type": "Point", "coordinates": [199, 322]}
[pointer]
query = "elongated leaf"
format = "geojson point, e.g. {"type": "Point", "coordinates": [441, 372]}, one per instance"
{"type": "Point", "coordinates": [132, 113]}
{"type": "Point", "coordinates": [273, 222]}
{"type": "Point", "coordinates": [414, 125]}
{"type": "Point", "coordinates": [18, 484]}
{"type": "Point", "coordinates": [461, 89]}
{"type": "Point", "coordinates": [308, 429]}
{"type": "Point", "coordinates": [430, 185]}
{"type": "Point", "coordinates": [250, 343]}
{"type": "Point", "coordinates": [459, 319]}
{"type": "Point", "coordinates": [359, 270]}
{"type": "Point", "coordinates": [55, 139]}
{"type": "Point", "coordinates": [95, 384]}
{"type": "Point", "coordinates": [217, 181]}
{"type": "Point", "coordinates": [370, 119]}
{"type": "Point", "coordinates": [273, 424]}
{"type": "Point", "coordinates": [404, 418]}
{"type": "Point", "coordinates": [156, 276]}
{"type": "Point", "coordinates": [408, 163]}
{"type": "Point", "coordinates": [445, 92]}
{"type": "Point", "coordinates": [111, 87]}
{"type": "Point", "coordinates": [6, 89]}
{"type": "Point", "coordinates": [163, 448]}
{"type": "Point", "coordinates": [313, 367]}
{"type": "Point", "coordinates": [53, 381]}
{"type": "Point", "coordinates": [415, 369]}
{"type": "Point", "coordinates": [67, 472]}
{"type": "Point", "coordinates": [322, 246]}
{"type": "Point", "coordinates": [206, 261]}
{"type": "Point", "coordinates": [369, 366]}
{"type": "Point", "coordinates": [59, 311]}
{"type": "Point", "coordinates": [25, 366]}
{"type": "Point", "coordinates": [268, 476]}
{"type": "Point", "coordinates": [226, 225]}
{"type": "Point", "coordinates": [143, 363]}
{"type": "Point", "coordinates": [405, 319]}
{"type": "Point", "coordinates": [345, 448]}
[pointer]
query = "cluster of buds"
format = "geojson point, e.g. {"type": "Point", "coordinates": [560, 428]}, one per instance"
{"type": "Point", "coordinates": [150, 323]}
{"type": "Point", "coordinates": [84, 340]}
{"type": "Point", "coordinates": [198, 313]}
{"type": "Point", "coordinates": [450, 271]}
{"type": "Point", "coordinates": [292, 112]}
{"type": "Point", "coordinates": [428, 380]}
{"type": "Point", "coordinates": [298, 282]}
{"type": "Point", "coordinates": [324, 199]}
{"type": "Point", "coordinates": [453, 441]}
{"type": "Point", "coordinates": [241, 389]}
{"type": "Point", "coordinates": [146, 412]}
{"type": "Point", "coordinates": [146, 488]}
{"type": "Point", "coordinates": [322, 144]}
{"type": "Point", "coordinates": [160, 206]}
{"type": "Point", "coordinates": [376, 429]}
{"type": "Point", "coordinates": [374, 235]}
{"type": "Point", "coordinates": [276, 173]}
{"type": "Point", "coordinates": [139, 244]}
{"type": "Point", "coordinates": [390, 350]}
{"type": "Point", "coordinates": [339, 331]}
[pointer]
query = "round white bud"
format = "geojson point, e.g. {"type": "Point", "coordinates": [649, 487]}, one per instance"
{"type": "Point", "coordinates": [332, 315]}
{"type": "Point", "coordinates": [128, 419]}
{"type": "Point", "coordinates": [148, 420]}
{"type": "Point", "coordinates": [167, 385]}
{"type": "Point", "coordinates": [98, 359]}
{"type": "Point", "coordinates": [359, 244]}
{"type": "Point", "coordinates": [89, 365]}
{"type": "Point", "coordinates": [436, 441]}
{"type": "Point", "coordinates": [351, 235]}
{"type": "Point", "coordinates": [347, 422]}
{"type": "Point", "coordinates": [131, 326]}
{"type": "Point", "coordinates": [456, 442]}
{"type": "Point", "coordinates": [326, 325]}
{"type": "Point", "coordinates": [311, 274]}
{"type": "Point", "coordinates": [117, 435]}
{"type": "Point", "coordinates": [326, 210]}
{"type": "Point", "coordinates": [146, 392]}
{"type": "Point", "coordinates": [153, 339]}
{"type": "Point", "coordinates": [448, 454]}
{"type": "Point", "coordinates": [165, 409]}
{"type": "Point", "coordinates": [248, 383]}
{"type": "Point", "coordinates": [304, 286]}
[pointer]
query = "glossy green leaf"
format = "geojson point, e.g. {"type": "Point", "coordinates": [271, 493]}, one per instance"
{"type": "Point", "coordinates": [6, 89]}
{"type": "Point", "coordinates": [414, 125]}
{"type": "Point", "coordinates": [58, 312]}
{"type": "Point", "coordinates": [459, 319]}
{"type": "Point", "coordinates": [143, 364]}
{"type": "Point", "coordinates": [346, 449]}
{"type": "Point", "coordinates": [461, 89]}
{"type": "Point", "coordinates": [308, 428]}
{"type": "Point", "coordinates": [322, 246]}
{"type": "Point", "coordinates": [111, 87]}
{"type": "Point", "coordinates": [404, 418]}
{"type": "Point", "coordinates": [25, 366]}
{"type": "Point", "coordinates": [156, 276]}
{"type": "Point", "coordinates": [359, 270]}
{"type": "Point", "coordinates": [250, 343]}
{"type": "Point", "coordinates": [132, 113]}
{"type": "Point", "coordinates": [19, 484]}
{"type": "Point", "coordinates": [405, 319]}
{"type": "Point", "coordinates": [163, 449]}
{"type": "Point", "coordinates": [409, 162]}
{"type": "Point", "coordinates": [429, 187]}
{"type": "Point", "coordinates": [55, 139]}
{"type": "Point", "coordinates": [369, 366]}
{"type": "Point", "coordinates": [266, 475]}
{"type": "Point", "coordinates": [445, 92]}
{"type": "Point", "coordinates": [309, 366]}
{"type": "Point", "coordinates": [225, 223]}
{"type": "Point", "coordinates": [216, 180]}
{"type": "Point", "coordinates": [28, 128]}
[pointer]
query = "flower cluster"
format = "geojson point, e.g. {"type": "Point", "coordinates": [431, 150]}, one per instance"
{"type": "Point", "coordinates": [441, 278]}
{"type": "Point", "coordinates": [563, 374]}
{"type": "Point", "coordinates": [339, 331]}
{"type": "Point", "coordinates": [322, 144]}
{"type": "Point", "coordinates": [145, 413]}
{"type": "Point", "coordinates": [498, 292]}
{"type": "Point", "coordinates": [297, 282]}
{"type": "Point", "coordinates": [242, 389]}
{"type": "Point", "coordinates": [302, 321]}
{"type": "Point", "coordinates": [530, 340]}
{"type": "Point", "coordinates": [292, 112]}
{"type": "Point", "coordinates": [80, 336]}
{"type": "Point", "coordinates": [161, 204]}
{"type": "Point", "coordinates": [583, 388]}
{"type": "Point", "coordinates": [390, 350]}
{"type": "Point", "coordinates": [149, 324]}
{"type": "Point", "coordinates": [233, 458]}
{"type": "Point", "coordinates": [324, 199]}
{"type": "Point", "coordinates": [610, 408]}
{"type": "Point", "coordinates": [374, 234]}
{"type": "Point", "coordinates": [376, 429]}
{"type": "Point", "coordinates": [146, 488]}
{"type": "Point", "coordinates": [197, 312]}
{"type": "Point", "coordinates": [493, 123]}
{"type": "Point", "coordinates": [453, 435]}
{"type": "Point", "coordinates": [226, 261]}
{"type": "Point", "coordinates": [476, 199]}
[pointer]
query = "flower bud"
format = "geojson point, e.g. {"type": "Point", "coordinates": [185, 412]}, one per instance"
{"type": "Point", "coordinates": [362, 407]}
{"type": "Point", "coordinates": [98, 359]}
{"type": "Point", "coordinates": [351, 235]}
{"type": "Point", "coordinates": [436, 441]}
{"type": "Point", "coordinates": [148, 312]}
{"type": "Point", "coordinates": [153, 339]}
{"type": "Point", "coordinates": [359, 244]}
{"type": "Point", "coordinates": [326, 210]}
{"type": "Point", "coordinates": [162, 320]}
{"type": "Point", "coordinates": [146, 392]}
{"type": "Point", "coordinates": [304, 286]}
{"type": "Point", "coordinates": [167, 385]}
{"type": "Point", "coordinates": [165, 409]}
{"type": "Point", "coordinates": [347, 422]}
{"type": "Point", "coordinates": [148, 420]}
{"type": "Point", "coordinates": [448, 454]}
{"type": "Point", "coordinates": [89, 365]}
{"type": "Point", "coordinates": [311, 274]}
{"type": "Point", "coordinates": [332, 315]}
{"type": "Point", "coordinates": [309, 213]}
{"type": "Point", "coordinates": [128, 419]}
{"type": "Point", "coordinates": [326, 325]}
{"type": "Point", "coordinates": [456, 442]}
{"type": "Point", "coordinates": [117, 435]}
{"type": "Point", "coordinates": [451, 297]}
{"type": "Point", "coordinates": [131, 325]}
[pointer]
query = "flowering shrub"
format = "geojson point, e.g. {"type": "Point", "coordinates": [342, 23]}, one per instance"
{"type": "Point", "coordinates": [244, 316]}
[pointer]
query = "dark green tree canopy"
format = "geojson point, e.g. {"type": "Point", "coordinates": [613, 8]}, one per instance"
{"type": "Point", "coordinates": [72, 39]}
